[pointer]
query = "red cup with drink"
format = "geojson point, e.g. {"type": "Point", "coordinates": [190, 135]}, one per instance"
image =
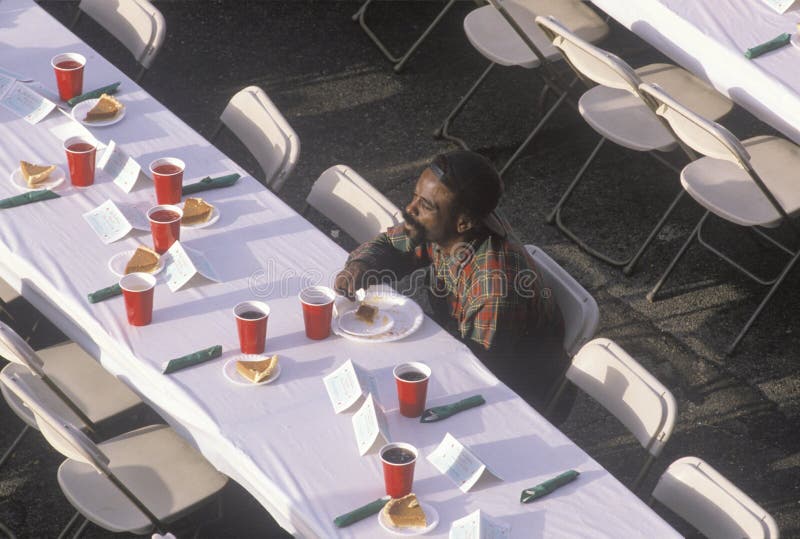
{"type": "Point", "coordinates": [137, 289]}
{"type": "Point", "coordinates": [398, 461]}
{"type": "Point", "coordinates": [165, 224]}
{"type": "Point", "coordinates": [167, 175]}
{"type": "Point", "coordinates": [68, 68]}
{"type": "Point", "coordinates": [251, 323]}
{"type": "Point", "coordinates": [81, 155]}
{"type": "Point", "coordinates": [412, 387]}
{"type": "Point", "coordinates": [317, 304]}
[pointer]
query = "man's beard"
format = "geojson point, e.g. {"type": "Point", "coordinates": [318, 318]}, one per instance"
{"type": "Point", "coordinates": [414, 229]}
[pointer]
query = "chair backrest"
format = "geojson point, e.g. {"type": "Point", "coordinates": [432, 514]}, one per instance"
{"type": "Point", "coordinates": [15, 349]}
{"type": "Point", "coordinates": [578, 307]}
{"type": "Point", "coordinates": [703, 497]}
{"type": "Point", "coordinates": [347, 199]}
{"type": "Point", "coordinates": [138, 24]}
{"type": "Point", "coordinates": [613, 378]}
{"type": "Point", "coordinates": [257, 122]}
{"type": "Point", "coordinates": [702, 135]}
{"type": "Point", "coordinates": [588, 61]}
{"type": "Point", "coordinates": [66, 438]}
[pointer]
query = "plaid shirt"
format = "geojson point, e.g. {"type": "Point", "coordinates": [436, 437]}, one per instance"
{"type": "Point", "coordinates": [488, 287]}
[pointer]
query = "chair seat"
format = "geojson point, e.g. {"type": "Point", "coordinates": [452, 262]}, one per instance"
{"type": "Point", "coordinates": [493, 37]}
{"type": "Point", "coordinates": [156, 465]}
{"type": "Point", "coordinates": [624, 119]}
{"type": "Point", "coordinates": [95, 391]}
{"type": "Point", "coordinates": [728, 191]}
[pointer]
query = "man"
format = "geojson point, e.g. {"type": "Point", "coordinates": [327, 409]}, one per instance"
{"type": "Point", "coordinates": [483, 285]}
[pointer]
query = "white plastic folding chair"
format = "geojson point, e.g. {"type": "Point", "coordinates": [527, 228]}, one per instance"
{"type": "Point", "coordinates": [83, 392]}
{"type": "Point", "coordinates": [504, 32]}
{"type": "Point", "coordinates": [578, 307]}
{"type": "Point", "coordinates": [259, 125]}
{"type": "Point", "coordinates": [138, 482]}
{"type": "Point", "coordinates": [352, 203]}
{"type": "Point", "coordinates": [617, 112]}
{"type": "Point", "coordinates": [608, 374]}
{"type": "Point", "coordinates": [399, 61]}
{"type": "Point", "coordinates": [751, 183]}
{"type": "Point", "coordinates": [137, 24]}
{"type": "Point", "coordinates": [704, 498]}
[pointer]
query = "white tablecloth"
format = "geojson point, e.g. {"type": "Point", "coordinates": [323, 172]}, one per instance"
{"type": "Point", "coordinates": [281, 441]}
{"type": "Point", "coordinates": [709, 37]}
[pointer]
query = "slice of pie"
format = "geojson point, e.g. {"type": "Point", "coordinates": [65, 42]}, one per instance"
{"type": "Point", "coordinates": [366, 313]}
{"type": "Point", "coordinates": [196, 210]}
{"type": "Point", "coordinates": [257, 371]}
{"type": "Point", "coordinates": [106, 108]}
{"type": "Point", "coordinates": [405, 512]}
{"type": "Point", "coordinates": [35, 174]}
{"type": "Point", "coordinates": [143, 260]}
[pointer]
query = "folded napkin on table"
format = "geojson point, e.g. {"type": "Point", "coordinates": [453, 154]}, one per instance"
{"type": "Point", "coordinates": [194, 358]}
{"type": "Point", "coordinates": [771, 45]}
{"type": "Point", "coordinates": [443, 412]}
{"type": "Point", "coordinates": [104, 293]}
{"type": "Point", "coordinates": [210, 183]}
{"type": "Point", "coordinates": [361, 513]}
{"type": "Point", "coordinates": [543, 489]}
{"type": "Point", "coordinates": [94, 94]}
{"type": "Point", "coordinates": [27, 198]}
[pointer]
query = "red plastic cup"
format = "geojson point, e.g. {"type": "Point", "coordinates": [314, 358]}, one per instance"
{"type": "Point", "coordinates": [251, 323]}
{"type": "Point", "coordinates": [81, 160]}
{"type": "Point", "coordinates": [137, 288]}
{"type": "Point", "coordinates": [168, 179]}
{"type": "Point", "coordinates": [165, 224]}
{"type": "Point", "coordinates": [398, 468]}
{"type": "Point", "coordinates": [68, 68]}
{"type": "Point", "coordinates": [317, 311]}
{"type": "Point", "coordinates": [412, 387]}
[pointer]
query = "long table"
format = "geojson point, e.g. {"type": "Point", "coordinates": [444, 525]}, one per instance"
{"type": "Point", "coordinates": [282, 441]}
{"type": "Point", "coordinates": [709, 37]}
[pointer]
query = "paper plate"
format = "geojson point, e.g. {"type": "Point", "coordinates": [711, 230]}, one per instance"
{"type": "Point", "coordinates": [55, 179]}
{"type": "Point", "coordinates": [431, 515]}
{"type": "Point", "coordinates": [405, 313]}
{"type": "Point", "coordinates": [350, 323]}
{"type": "Point", "coordinates": [118, 262]}
{"type": "Point", "coordinates": [211, 220]}
{"type": "Point", "coordinates": [79, 113]}
{"type": "Point", "coordinates": [233, 376]}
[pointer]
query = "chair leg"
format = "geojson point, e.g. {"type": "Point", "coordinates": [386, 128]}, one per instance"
{"type": "Point", "coordinates": [628, 269]}
{"type": "Point", "coordinates": [140, 74]}
{"type": "Point", "coordinates": [442, 131]}
{"type": "Point", "coordinates": [642, 473]}
{"type": "Point", "coordinates": [535, 132]}
{"type": "Point", "coordinates": [76, 18]}
{"type": "Point", "coordinates": [399, 62]}
{"type": "Point", "coordinates": [81, 529]}
{"type": "Point", "coordinates": [652, 294]}
{"type": "Point", "coordinates": [551, 217]}
{"type": "Point", "coordinates": [764, 301]}
{"type": "Point", "coordinates": [14, 444]}
{"type": "Point", "coordinates": [6, 532]}
{"type": "Point", "coordinates": [69, 525]}
{"type": "Point", "coordinates": [554, 400]}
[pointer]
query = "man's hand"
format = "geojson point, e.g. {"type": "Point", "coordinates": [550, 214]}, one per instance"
{"type": "Point", "coordinates": [351, 278]}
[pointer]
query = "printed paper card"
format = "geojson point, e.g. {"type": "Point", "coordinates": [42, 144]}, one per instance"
{"type": "Point", "coordinates": [477, 525]}
{"type": "Point", "coordinates": [5, 83]}
{"type": "Point", "coordinates": [26, 103]}
{"type": "Point", "coordinates": [369, 424]}
{"type": "Point", "coordinates": [458, 463]}
{"type": "Point", "coordinates": [116, 163]}
{"type": "Point", "coordinates": [10, 74]}
{"type": "Point", "coordinates": [108, 222]}
{"type": "Point", "coordinates": [182, 264]}
{"type": "Point", "coordinates": [346, 384]}
{"type": "Point", "coordinates": [779, 5]}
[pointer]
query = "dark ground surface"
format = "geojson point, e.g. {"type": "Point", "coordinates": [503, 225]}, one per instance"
{"type": "Point", "coordinates": [739, 413]}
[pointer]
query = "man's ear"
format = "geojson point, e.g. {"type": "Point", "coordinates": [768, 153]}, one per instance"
{"type": "Point", "coordinates": [464, 223]}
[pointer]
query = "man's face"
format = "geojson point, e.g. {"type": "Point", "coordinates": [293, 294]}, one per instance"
{"type": "Point", "coordinates": [431, 215]}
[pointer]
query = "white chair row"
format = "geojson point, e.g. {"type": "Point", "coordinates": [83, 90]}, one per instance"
{"type": "Point", "coordinates": [139, 481]}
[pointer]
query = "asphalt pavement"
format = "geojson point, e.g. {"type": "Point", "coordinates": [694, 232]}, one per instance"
{"type": "Point", "coordinates": [740, 413]}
